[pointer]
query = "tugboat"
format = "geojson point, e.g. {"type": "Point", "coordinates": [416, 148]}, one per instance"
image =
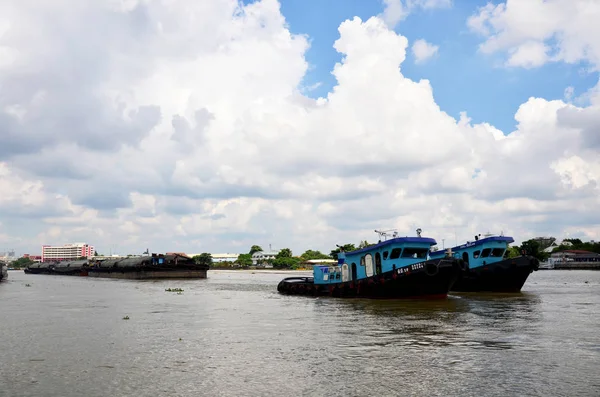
{"type": "Point", "coordinates": [487, 269]}
{"type": "Point", "coordinates": [3, 271]}
{"type": "Point", "coordinates": [398, 267]}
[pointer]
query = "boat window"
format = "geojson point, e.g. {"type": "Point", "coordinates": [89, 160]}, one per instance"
{"type": "Point", "coordinates": [378, 263]}
{"type": "Point", "coordinates": [476, 254]}
{"type": "Point", "coordinates": [368, 265]}
{"type": "Point", "coordinates": [345, 273]}
{"type": "Point", "coordinates": [486, 252]}
{"type": "Point", "coordinates": [385, 255]}
{"type": "Point", "coordinates": [420, 253]}
{"type": "Point", "coordinates": [362, 261]}
{"type": "Point", "coordinates": [395, 253]}
{"type": "Point", "coordinates": [497, 252]}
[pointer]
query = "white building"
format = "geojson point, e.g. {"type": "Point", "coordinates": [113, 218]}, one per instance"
{"type": "Point", "coordinates": [217, 258]}
{"type": "Point", "coordinates": [66, 252]}
{"type": "Point", "coordinates": [259, 257]}
{"type": "Point", "coordinates": [556, 244]}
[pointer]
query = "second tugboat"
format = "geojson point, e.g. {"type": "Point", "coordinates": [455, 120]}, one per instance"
{"type": "Point", "coordinates": [488, 270]}
{"type": "Point", "coordinates": [396, 268]}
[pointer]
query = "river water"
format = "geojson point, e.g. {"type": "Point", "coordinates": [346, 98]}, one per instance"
{"type": "Point", "coordinates": [233, 335]}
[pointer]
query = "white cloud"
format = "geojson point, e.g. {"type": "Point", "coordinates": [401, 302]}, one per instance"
{"type": "Point", "coordinates": [422, 50]}
{"type": "Point", "coordinates": [535, 32]}
{"type": "Point", "coordinates": [528, 55]}
{"type": "Point", "coordinates": [185, 128]}
{"type": "Point", "coordinates": [396, 10]}
{"type": "Point", "coordinates": [569, 92]}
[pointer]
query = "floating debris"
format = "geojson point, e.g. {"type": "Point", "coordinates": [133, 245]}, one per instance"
{"type": "Point", "coordinates": [179, 290]}
{"type": "Point", "coordinates": [28, 285]}
{"type": "Point", "coordinates": [126, 318]}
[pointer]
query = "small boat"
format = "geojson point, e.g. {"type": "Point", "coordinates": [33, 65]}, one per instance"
{"type": "Point", "coordinates": [488, 270]}
{"type": "Point", "coordinates": [398, 267]}
{"type": "Point", "coordinates": [3, 271]}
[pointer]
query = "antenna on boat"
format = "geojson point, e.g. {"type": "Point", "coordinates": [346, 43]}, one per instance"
{"type": "Point", "coordinates": [383, 234]}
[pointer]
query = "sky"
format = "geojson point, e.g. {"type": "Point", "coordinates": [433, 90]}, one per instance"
{"type": "Point", "coordinates": [178, 125]}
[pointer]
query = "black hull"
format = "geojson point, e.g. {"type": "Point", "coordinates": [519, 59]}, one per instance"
{"type": "Point", "coordinates": [54, 272]}
{"type": "Point", "coordinates": [36, 271]}
{"type": "Point", "coordinates": [430, 279]}
{"type": "Point", "coordinates": [185, 271]}
{"type": "Point", "coordinates": [508, 275]}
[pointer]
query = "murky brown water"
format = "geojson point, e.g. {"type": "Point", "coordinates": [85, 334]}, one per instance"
{"type": "Point", "coordinates": [233, 335]}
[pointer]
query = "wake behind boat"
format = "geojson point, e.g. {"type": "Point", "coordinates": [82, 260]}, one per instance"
{"type": "Point", "coordinates": [396, 268]}
{"type": "Point", "coordinates": [488, 270]}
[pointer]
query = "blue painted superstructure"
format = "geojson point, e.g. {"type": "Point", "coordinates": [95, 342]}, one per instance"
{"type": "Point", "coordinates": [398, 267]}
{"type": "Point", "coordinates": [487, 270]}
{"type": "Point", "coordinates": [385, 256]}
{"type": "Point", "coordinates": [480, 252]}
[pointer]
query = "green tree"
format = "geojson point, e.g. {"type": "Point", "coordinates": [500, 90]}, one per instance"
{"type": "Point", "coordinates": [574, 241]}
{"type": "Point", "coordinates": [244, 260]}
{"type": "Point", "coordinates": [347, 248]}
{"type": "Point", "coordinates": [577, 244]}
{"type": "Point", "coordinates": [532, 247]}
{"type": "Point", "coordinates": [96, 253]}
{"type": "Point", "coordinates": [286, 263]}
{"type": "Point", "coordinates": [364, 244]}
{"type": "Point", "coordinates": [512, 252]}
{"type": "Point", "coordinates": [310, 254]}
{"type": "Point", "coordinates": [21, 263]}
{"type": "Point", "coordinates": [255, 248]}
{"type": "Point", "coordinates": [284, 253]}
{"type": "Point", "coordinates": [203, 259]}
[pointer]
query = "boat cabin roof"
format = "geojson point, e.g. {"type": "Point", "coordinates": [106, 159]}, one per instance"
{"type": "Point", "coordinates": [470, 244]}
{"type": "Point", "coordinates": [397, 240]}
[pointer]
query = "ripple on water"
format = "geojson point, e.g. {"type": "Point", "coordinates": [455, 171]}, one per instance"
{"type": "Point", "coordinates": [232, 334]}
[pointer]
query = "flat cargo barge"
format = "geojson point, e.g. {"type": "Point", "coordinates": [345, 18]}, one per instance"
{"type": "Point", "coordinates": [156, 266]}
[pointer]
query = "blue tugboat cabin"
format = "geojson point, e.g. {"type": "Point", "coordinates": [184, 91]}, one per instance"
{"type": "Point", "coordinates": [396, 253]}
{"type": "Point", "coordinates": [486, 267]}
{"type": "Point", "coordinates": [480, 252]}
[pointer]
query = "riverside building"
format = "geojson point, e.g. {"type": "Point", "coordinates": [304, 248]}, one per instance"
{"type": "Point", "coordinates": [52, 253]}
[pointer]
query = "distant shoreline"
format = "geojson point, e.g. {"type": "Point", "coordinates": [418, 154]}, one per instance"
{"type": "Point", "coordinates": [275, 271]}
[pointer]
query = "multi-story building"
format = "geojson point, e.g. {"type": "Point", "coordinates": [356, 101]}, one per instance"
{"type": "Point", "coordinates": [260, 257]}
{"type": "Point", "coordinates": [65, 252]}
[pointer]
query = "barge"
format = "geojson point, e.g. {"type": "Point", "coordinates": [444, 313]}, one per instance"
{"type": "Point", "coordinates": [156, 266]}
{"type": "Point", "coordinates": [149, 267]}
{"type": "Point", "coordinates": [398, 267]}
{"type": "Point", "coordinates": [487, 268]}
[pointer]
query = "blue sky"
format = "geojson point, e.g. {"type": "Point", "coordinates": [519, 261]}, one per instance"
{"type": "Point", "coordinates": [462, 78]}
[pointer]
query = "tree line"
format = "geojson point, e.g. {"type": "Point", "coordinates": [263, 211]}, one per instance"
{"type": "Point", "coordinates": [536, 247]}
{"type": "Point", "coordinates": [284, 259]}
